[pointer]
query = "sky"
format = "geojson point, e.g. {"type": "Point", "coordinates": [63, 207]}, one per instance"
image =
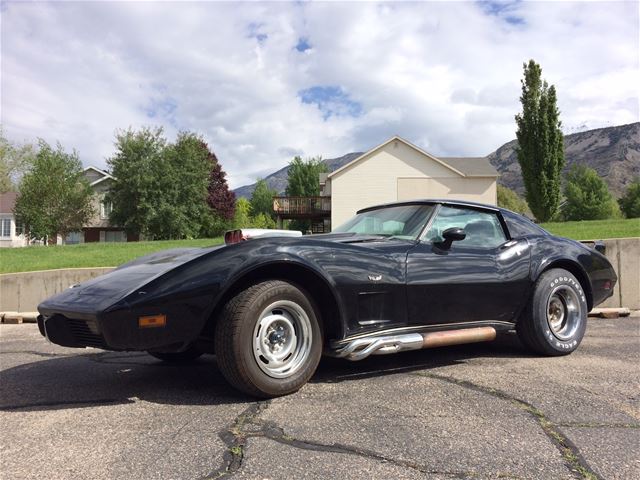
{"type": "Point", "coordinates": [262, 82]}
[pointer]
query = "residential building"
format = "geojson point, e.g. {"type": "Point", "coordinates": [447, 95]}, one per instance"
{"type": "Point", "coordinates": [395, 170]}
{"type": "Point", "coordinates": [11, 232]}
{"type": "Point", "coordinates": [98, 228]}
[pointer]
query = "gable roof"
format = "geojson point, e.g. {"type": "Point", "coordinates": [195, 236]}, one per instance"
{"type": "Point", "coordinates": [104, 175]}
{"type": "Point", "coordinates": [465, 167]}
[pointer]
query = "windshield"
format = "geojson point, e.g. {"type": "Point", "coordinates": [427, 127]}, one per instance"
{"type": "Point", "coordinates": [403, 221]}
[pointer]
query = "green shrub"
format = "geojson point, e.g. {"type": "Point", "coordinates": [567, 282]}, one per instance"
{"type": "Point", "coordinates": [587, 196]}
{"type": "Point", "coordinates": [630, 201]}
{"type": "Point", "coordinates": [510, 200]}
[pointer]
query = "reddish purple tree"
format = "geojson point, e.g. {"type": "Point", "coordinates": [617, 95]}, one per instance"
{"type": "Point", "coordinates": [221, 200]}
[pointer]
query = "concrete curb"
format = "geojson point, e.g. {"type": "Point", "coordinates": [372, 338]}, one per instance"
{"type": "Point", "coordinates": [610, 312]}
{"type": "Point", "coordinates": [19, 317]}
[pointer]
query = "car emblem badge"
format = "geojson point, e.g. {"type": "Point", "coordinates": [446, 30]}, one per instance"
{"type": "Point", "coordinates": [375, 278]}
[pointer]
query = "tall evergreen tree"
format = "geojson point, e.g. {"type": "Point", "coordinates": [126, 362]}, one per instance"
{"type": "Point", "coordinates": [540, 143]}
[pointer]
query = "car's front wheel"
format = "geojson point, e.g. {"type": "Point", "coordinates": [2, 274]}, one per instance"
{"type": "Point", "coordinates": [555, 319]}
{"type": "Point", "coordinates": [268, 339]}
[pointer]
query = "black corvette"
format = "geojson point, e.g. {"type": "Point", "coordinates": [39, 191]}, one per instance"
{"type": "Point", "coordinates": [395, 277]}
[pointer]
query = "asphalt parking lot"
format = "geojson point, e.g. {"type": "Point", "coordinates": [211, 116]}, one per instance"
{"type": "Point", "coordinates": [474, 411]}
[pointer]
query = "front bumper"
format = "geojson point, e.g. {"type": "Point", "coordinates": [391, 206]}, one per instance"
{"type": "Point", "coordinates": [69, 332]}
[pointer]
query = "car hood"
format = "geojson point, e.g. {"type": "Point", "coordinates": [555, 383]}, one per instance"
{"type": "Point", "coordinates": [99, 293]}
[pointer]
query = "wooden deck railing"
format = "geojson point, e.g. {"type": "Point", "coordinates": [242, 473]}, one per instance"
{"type": "Point", "coordinates": [319, 206]}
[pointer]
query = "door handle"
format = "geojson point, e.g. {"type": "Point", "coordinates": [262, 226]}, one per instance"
{"type": "Point", "coordinates": [509, 244]}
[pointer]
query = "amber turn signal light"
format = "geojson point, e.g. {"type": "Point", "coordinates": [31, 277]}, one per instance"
{"type": "Point", "coordinates": [152, 321]}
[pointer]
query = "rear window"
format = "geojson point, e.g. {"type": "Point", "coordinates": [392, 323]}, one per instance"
{"type": "Point", "coordinates": [520, 226]}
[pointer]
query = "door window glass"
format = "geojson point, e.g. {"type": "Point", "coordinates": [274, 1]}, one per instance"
{"type": "Point", "coordinates": [483, 229]}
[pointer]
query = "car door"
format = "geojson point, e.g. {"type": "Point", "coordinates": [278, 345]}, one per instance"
{"type": "Point", "coordinates": [481, 278]}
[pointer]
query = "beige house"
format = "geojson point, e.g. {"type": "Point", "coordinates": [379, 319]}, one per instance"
{"type": "Point", "coordinates": [398, 170]}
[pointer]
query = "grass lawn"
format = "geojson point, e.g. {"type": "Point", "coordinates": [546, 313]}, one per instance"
{"type": "Point", "coordinates": [87, 254]}
{"type": "Point", "coordinates": [595, 229]}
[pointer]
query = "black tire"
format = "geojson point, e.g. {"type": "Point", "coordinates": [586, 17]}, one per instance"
{"type": "Point", "coordinates": [250, 331]}
{"type": "Point", "coordinates": [555, 319]}
{"type": "Point", "coordinates": [186, 356]}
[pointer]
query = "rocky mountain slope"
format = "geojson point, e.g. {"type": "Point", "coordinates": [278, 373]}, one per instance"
{"type": "Point", "coordinates": [614, 152]}
{"type": "Point", "coordinates": [278, 180]}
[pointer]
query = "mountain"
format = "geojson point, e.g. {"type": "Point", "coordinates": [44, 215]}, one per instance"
{"type": "Point", "coordinates": [613, 152]}
{"type": "Point", "coordinates": [278, 180]}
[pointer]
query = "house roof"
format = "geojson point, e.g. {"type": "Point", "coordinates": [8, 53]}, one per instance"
{"type": "Point", "coordinates": [7, 202]}
{"type": "Point", "coordinates": [471, 166]}
{"type": "Point", "coordinates": [465, 167]}
{"type": "Point", "coordinates": [105, 175]}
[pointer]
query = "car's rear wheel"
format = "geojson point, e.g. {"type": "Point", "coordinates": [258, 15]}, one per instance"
{"type": "Point", "coordinates": [268, 339]}
{"type": "Point", "coordinates": [555, 319]}
{"type": "Point", "coordinates": [185, 356]}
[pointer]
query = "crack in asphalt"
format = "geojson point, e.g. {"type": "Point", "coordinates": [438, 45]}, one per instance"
{"type": "Point", "coordinates": [570, 453]}
{"type": "Point", "coordinates": [235, 439]}
{"type": "Point", "coordinates": [248, 425]}
{"type": "Point", "coordinates": [598, 425]}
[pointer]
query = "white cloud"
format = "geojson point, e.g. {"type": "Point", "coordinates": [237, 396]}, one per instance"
{"type": "Point", "coordinates": [443, 75]}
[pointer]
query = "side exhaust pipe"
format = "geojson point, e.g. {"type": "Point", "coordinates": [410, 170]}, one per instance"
{"type": "Point", "coordinates": [363, 347]}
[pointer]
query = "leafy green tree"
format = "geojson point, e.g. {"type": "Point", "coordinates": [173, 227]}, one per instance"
{"type": "Point", "coordinates": [304, 177]}
{"type": "Point", "coordinates": [183, 207]}
{"type": "Point", "coordinates": [587, 196]}
{"type": "Point", "coordinates": [540, 143]}
{"type": "Point", "coordinates": [54, 196]}
{"type": "Point", "coordinates": [262, 220]}
{"type": "Point", "coordinates": [630, 201]}
{"type": "Point", "coordinates": [304, 181]}
{"type": "Point", "coordinates": [139, 167]}
{"type": "Point", "coordinates": [510, 200]}
{"type": "Point", "coordinates": [161, 188]}
{"type": "Point", "coordinates": [262, 199]}
{"type": "Point", "coordinates": [14, 162]}
{"type": "Point", "coordinates": [242, 216]}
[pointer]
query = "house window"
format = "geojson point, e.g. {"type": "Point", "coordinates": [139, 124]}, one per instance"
{"type": "Point", "coordinates": [115, 236]}
{"type": "Point", "coordinates": [105, 209]}
{"type": "Point", "coordinates": [19, 228]}
{"type": "Point", "coordinates": [5, 228]}
{"type": "Point", "coordinates": [74, 238]}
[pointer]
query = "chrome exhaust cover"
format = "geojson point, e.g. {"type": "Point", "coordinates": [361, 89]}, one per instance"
{"type": "Point", "coordinates": [363, 347]}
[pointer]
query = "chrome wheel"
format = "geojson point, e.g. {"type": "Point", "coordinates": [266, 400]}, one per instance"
{"type": "Point", "coordinates": [563, 312]}
{"type": "Point", "coordinates": [282, 339]}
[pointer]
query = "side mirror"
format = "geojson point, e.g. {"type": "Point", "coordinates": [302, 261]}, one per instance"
{"type": "Point", "coordinates": [451, 235]}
